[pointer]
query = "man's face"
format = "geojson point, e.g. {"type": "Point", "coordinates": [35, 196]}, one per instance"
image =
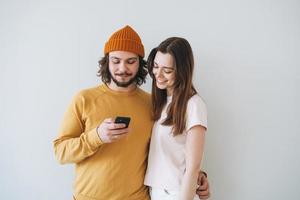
{"type": "Point", "coordinates": [123, 67]}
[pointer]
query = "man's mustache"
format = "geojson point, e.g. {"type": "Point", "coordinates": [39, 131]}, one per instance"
{"type": "Point", "coordinates": [123, 74]}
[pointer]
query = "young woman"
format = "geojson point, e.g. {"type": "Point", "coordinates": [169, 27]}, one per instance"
{"type": "Point", "coordinates": [180, 116]}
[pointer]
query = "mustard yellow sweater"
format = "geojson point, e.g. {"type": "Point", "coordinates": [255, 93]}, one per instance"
{"type": "Point", "coordinates": [112, 171]}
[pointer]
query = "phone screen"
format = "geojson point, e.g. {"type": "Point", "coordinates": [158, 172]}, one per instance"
{"type": "Point", "coordinates": [123, 120]}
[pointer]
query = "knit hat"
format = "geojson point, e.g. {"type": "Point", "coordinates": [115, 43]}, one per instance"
{"type": "Point", "coordinates": [125, 39]}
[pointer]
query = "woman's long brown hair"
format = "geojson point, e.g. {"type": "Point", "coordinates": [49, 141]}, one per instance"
{"type": "Point", "coordinates": [183, 89]}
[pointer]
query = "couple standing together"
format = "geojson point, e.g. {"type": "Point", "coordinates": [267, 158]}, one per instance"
{"type": "Point", "coordinates": [115, 162]}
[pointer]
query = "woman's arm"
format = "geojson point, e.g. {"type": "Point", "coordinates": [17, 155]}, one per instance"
{"type": "Point", "coordinates": [193, 151]}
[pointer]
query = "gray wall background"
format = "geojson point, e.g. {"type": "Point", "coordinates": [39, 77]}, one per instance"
{"type": "Point", "coordinates": [247, 70]}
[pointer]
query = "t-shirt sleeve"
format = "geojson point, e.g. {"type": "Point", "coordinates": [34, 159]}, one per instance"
{"type": "Point", "coordinates": [196, 113]}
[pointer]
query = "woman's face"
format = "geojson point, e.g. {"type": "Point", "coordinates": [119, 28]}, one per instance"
{"type": "Point", "coordinates": [164, 71]}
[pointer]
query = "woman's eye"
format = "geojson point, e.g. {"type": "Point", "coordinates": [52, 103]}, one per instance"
{"type": "Point", "coordinates": [168, 71]}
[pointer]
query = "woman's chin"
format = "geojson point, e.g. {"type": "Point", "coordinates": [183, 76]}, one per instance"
{"type": "Point", "coordinates": [162, 87]}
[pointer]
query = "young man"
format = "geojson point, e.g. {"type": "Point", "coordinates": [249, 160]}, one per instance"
{"type": "Point", "coordinates": [110, 159]}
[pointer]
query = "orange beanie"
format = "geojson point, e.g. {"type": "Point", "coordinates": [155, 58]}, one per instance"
{"type": "Point", "coordinates": [125, 39]}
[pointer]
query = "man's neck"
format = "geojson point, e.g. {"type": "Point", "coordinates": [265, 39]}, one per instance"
{"type": "Point", "coordinates": [116, 88]}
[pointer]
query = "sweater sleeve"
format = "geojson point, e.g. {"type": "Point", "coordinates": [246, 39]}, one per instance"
{"type": "Point", "coordinates": [74, 143]}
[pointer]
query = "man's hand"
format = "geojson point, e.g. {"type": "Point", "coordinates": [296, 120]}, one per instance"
{"type": "Point", "coordinates": [109, 131]}
{"type": "Point", "coordinates": [203, 189]}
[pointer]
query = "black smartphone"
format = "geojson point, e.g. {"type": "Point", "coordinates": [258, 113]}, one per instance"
{"type": "Point", "coordinates": [123, 120]}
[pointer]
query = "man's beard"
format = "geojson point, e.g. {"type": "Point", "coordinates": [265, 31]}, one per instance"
{"type": "Point", "coordinates": [124, 84]}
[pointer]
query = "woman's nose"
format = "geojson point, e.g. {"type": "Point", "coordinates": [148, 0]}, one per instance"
{"type": "Point", "coordinates": [159, 73]}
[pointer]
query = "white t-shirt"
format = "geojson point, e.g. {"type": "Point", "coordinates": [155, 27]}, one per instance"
{"type": "Point", "coordinates": [166, 161]}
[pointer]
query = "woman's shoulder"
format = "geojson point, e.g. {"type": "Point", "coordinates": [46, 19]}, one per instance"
{"type": "Point", "coordinates": [196, 99]}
